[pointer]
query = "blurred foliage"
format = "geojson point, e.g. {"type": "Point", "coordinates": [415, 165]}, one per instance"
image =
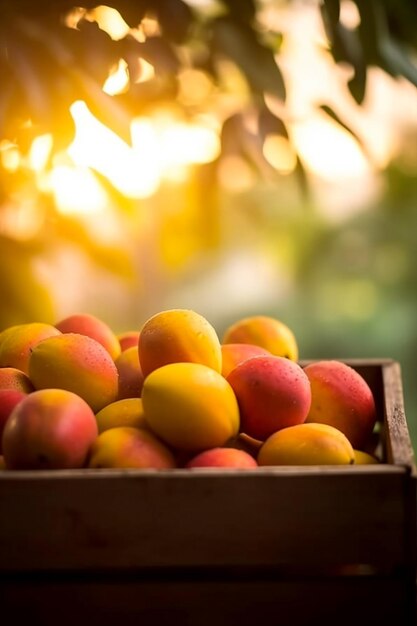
{"type": "Point", "coordinates": [47, 61]}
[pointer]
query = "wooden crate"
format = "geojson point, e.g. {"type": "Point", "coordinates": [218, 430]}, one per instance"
{"type": "Point", "coordinates": [299, 545]}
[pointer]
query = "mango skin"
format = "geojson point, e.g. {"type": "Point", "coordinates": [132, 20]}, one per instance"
{"type": "Point", "coordinates": [126, 412]}
{"type": "Point", "coordinates": [190, 406]}
{"type": "Point", "coordinates": [364, 458]}
{"type": "Point", "coordinates": [343, 399]}
{"type": "Point", "coordinates": [9, 398]}
{"type": "Point", "coordinates": [235, 353]}
{"type": "Point", "coordinates": [130, 374]}
{"type": "Point", "coordinates": [76, 363]}
{"type": "Point", "coordinates": [307, 444]}
{"type": "Point", "coordinates": [264, 331]}
{"type": "Point", "coordinates": [178, 335]}
{"type": "Point", "coordinates": [18, 341]}
{"type": "Point", "coordinates": [94, 327]}
{"type": "Point", "coordinates": [127, 447]}
{"type": "Point", "coordinates": [223, 457]}
{"type": "Point", "coordinates": [273, 393]}
{"type": "Point", "coordinates": [12, 378]}
{"type": "Point", "coordinates": [49, 429]}
{"type": "Point", "coordinates": [128, 339]}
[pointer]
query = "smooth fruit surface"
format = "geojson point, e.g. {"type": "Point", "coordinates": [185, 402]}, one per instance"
{"type": "Point", "coordinates": [341, 398]}
{"type": "Point", "coordinates": [223, 457]}
{"type": "Point", "coordinates": [130, 374]}
{"type": "Point", "coordinates": [76, 363]}
{"type": "Point", "coordinates": [49, 429]}
{"type": "Point", "coordinates": [307, 444]}
{"type": "Point", "coordinates": [190, 406]}
{"type": "Point", "coordinates": [127, 447]}
{"type": "Point", "coordinates": [94, 327]}
{"type": "Point", "coordinates": [363, 458]}
{"type": "Point", "coordinates": [127, 412]}
{"type": "Point", "coordinates": [178, 335]}
{"type": "Point", "coordinates": [12, 378]}
{"type": "Point", "coordinates": [9, 398]}
{"type": "Point", "coordinates": [273, 393]}
{"type": "Point", "coordinates": [235, 353]}
{"type": "Point", "coordinates": [266, 332]}
{"type": "Point", "coordinates": [128, 339]}
{"type": "Point", "coordinates": [17, 342]}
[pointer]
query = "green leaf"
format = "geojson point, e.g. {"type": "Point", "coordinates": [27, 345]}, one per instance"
{"type": "Point", "coordinates": [175, 18]}
{"type": "Point", "coordinates": [240, 43]}
{"type": "Point", "coordinates": [241, 10]}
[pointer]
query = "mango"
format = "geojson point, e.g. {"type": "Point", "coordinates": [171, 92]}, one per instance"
{"type": "Point", "coordinates": [190, 406]}
{"type": "Point", "coordinates": [9, 398]}
{"type": "Point", "coordinates": [235, 353]}
{"type": "Point", "coordinates": [127, 412]}
{"type": "Point", "coordinates": [364, 458]}
{"type": "Point", "coordinates": [273, 393]}
{"type": "Point", "coordinates": [264, 331]}
{"type": "Point", "coordinates": [130, 374]}
{"type": "Point", "coordinates": [127, 447]}
{"type": "Point", "coordinates": [94, 327]}
{"type": "Point", "coordinates": [307, 444]}
{"type": "Point", "coordinates": [18, 341]}
{"type": "Point", "coordinates": [178, 335]}
{"type": "Point", "coordinates": [223, 457]}
{"type": "Point", "coordinates": [128, 339]}
{"type": "Point", "coordinates": [341, 398]}
{"type": "Point", "coordinates": [76, 363]}
{"type": "Point", "coordinates": [12, 378]}
{"type": "Point", "coordinates": [49, 429]}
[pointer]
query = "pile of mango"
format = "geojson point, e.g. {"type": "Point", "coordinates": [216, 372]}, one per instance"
{"type": "Point", "coordinates": [173, 395]}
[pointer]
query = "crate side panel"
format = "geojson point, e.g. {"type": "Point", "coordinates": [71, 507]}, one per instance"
{"type": "Point", "coordinates": [344, 601]}
{"type": "Point", "coordinates": [201, 519]}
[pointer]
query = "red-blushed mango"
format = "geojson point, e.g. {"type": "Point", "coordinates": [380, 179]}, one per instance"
{"type": "Point", "coordinates": [94, 327]}
{"type": "Point", "coordinates": [49, 429]}
{"type": "Point", "coordinates": [17, 342]}
{"type": "Point", "coordinates": [235, 353]}
{"type": "Point", "coordinates": [273, 393]}
{"type": "Point", "coordinates": [307, 444]}
{"type": "Point", "coordinates": [129, 339]}
{"type": "Point", "coordinates": [127, 447]}
{"type": "Point", "coordinates": [363, 458]}
{"type": "Point", "coordinates": [12, 378]}
{"type": "Point", "coordinates": [127, 412]}
{"type": "Point", "coordinates": [9, 398]}
{"type": "Point", "coordinates": [130, 374]}
{"type": "Point", "coordinates": [76, 363]}
{"type": "Point", "coordinates": [342, 398]}
{"type": "Point", "coordinates": [223, 457]}
{"type": "Point", "coordinates": [266, 332]}
{"type": "Point", "coordinates": [190, 406]}
{"type": "Point", "coordinates": [178, 335]}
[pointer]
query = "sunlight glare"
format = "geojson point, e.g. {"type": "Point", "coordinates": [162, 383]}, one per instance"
{"type": "Point", "coordinates": [279, 153]}
{"type": "Point", "coordinates": [96, 146]}
{"type": "Point", "coordinates": [39, 152]}
{"type": "Point", "coordinates": [10, 156]}
{"type": "Point", "coordinates": [76, 191]}
{"type": "Point", "coordinates": [328, 150]}
{"type": "Point", "coordinates": [118, 80]}
{"type": "Point", "coordinates": [110, 21]}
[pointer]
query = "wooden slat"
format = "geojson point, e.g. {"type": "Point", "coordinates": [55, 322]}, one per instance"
{"type": "Point", "coordinates": [122, 519]}
{"type": "Point", "coordinates": [195, 602]}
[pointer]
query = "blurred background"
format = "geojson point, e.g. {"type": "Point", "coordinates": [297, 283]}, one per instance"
{"type": "Point", "coordinates": [230, 156]}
